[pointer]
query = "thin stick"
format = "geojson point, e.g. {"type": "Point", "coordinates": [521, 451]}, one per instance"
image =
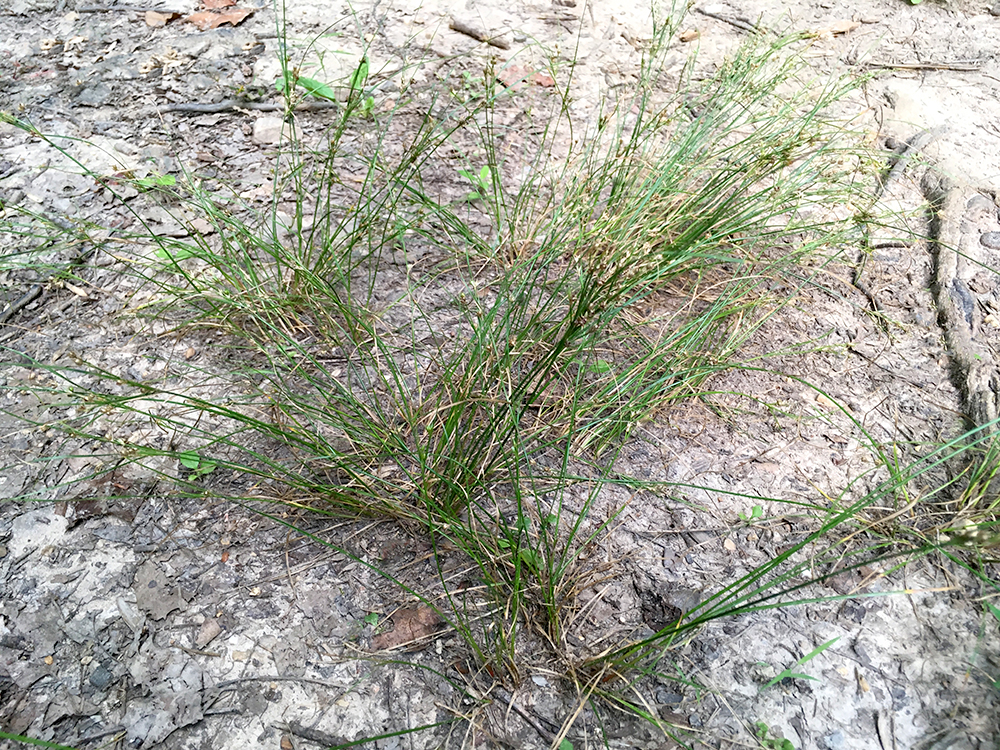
{"type": "Point", "coordinates": [480, 36]}
{"type": "Point", "coordinates": [739, 23]}
{"type": "Point", "coordinates": [962, 67]}
{"type": "Point", "coordinates": [234, 104]}
{"type": "Point", "coordinates": [33, 293]}
{"type": "Point", "coordinates": [132, 8]}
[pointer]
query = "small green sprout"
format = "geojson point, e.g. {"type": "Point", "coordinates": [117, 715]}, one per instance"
{"type": "Point", "coordinates": [788, 673]}
{"type": "Point", "coordinates": [770, 743]}
{"type": "Point", "coordinates": [197, 465]}
{"type": "Point", "coordinates": [482, 182]}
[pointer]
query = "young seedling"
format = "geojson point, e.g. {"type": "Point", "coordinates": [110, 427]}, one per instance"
{"type": "Point", "coordinates": [288, 82]}
{"type": "Point", "coordinates": [788, 673]}
{"type": "Point", "coordinates": [197, 465]}
{"type": "Point", "coordinates": [482, 182]}
{"type": "Point", "coordinates": [761, 731]}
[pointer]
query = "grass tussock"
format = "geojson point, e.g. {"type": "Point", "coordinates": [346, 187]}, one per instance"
{"type": "Point", "coordinates": [471, 365]}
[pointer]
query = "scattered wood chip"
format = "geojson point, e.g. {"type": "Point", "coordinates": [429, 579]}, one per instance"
{"type": "Point", "coordinates": [863, 685]}
{"type": "Point", "coordinates": [826, 403]}
{"type": "Point", "coordinates": [209, 629]}
{"type": "Point", "coordinates": [411, 624]}
{"type": "Point", "coordinates": [155, 19]}
{"type": "Point", "coordinates": [206, 20]}
{"type": "Point", "coordinates": [76, 290]}
{"type": "Point", "coordinates": [689, 36]}
{"type": "Point", "coordinates": [836, 29]}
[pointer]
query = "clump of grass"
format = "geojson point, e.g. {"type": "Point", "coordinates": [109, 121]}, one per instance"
{"type": "Point", "coordinates": [481, 394]}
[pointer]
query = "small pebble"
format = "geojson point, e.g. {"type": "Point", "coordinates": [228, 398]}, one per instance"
{"type": "Point", "coordinates": [665, 697]}
{"type": "Point", "coordinates": [990, 240]}
{"type": "Point", "coordinates": [995, 10]}
{"type": "Point", "coordinates": [100, 678]}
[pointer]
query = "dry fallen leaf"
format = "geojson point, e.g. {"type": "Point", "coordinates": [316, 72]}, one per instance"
{"type": "Point", "coordinates": [216, 4]}
{"type": "Point", "coordinates": [729, 544]}
{"type": "Point", "coordinates": [825, 402]}
{"type": "Point", "coordinates": [863, 685]}
{"type": "Point", "coordinates": [207, 20]}
{"type": "Point", "coordinates": [411, 624]}
{"type": "Point", "coordinates": [843, 27]}
{"type": "Point", "coordinates": [690, 35]}
{"type": "Point", "coordinates": [836, 28]}
{"type": "Point", "coordinates": [155, 19]}
{"type": "Point", "coordinates": [514, 76]}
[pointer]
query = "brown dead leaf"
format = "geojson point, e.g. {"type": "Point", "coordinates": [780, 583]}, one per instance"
{"type": "Point", "coordinates": [155, 19]}
{"type": "Point", "coordinates": [208, 20]}
{"type": "Point", "coordinates": [689, 36]}
{"type": "Point", "coordinates": [411, 624]}
{"type": "Point", "coordinates": [216, 4]}
{"type": "Point", "coordinates": [516, 76]}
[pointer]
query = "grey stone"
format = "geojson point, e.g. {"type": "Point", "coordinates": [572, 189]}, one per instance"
{"type": "Point", "coordinates": [101, 677]}
{"type": "Point", "coordinates": [834, 740]}
{"type": "Point", "coordinates": [95, 96]}
{"type": "Point", "coordinates": [990, 240]}
{"type": "Point", "coordinates": [270, 131]}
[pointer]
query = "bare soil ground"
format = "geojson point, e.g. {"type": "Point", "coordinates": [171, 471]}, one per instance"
{"type": "Point", "coordinates": [179, 624]}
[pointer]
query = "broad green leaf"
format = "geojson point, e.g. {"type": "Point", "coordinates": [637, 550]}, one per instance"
{"type": "Point", "coordinates": [160, 180]}
{"type": "Point", "coordinates": [189, 460]}
{"type": "Point", "coordinates": [317, 88]}
{"type": "Point", "coordinates": [360, 75]}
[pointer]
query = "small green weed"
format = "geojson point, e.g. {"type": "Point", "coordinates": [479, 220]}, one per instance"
{"type": "Point", "coordinates": [789, 674]}
{"type": "Point", "coordinates": [482, 181]}
{"type": "Point", "coordinates": [761, 732]}
{"type": "Point", "coordinates": [291, 80]}
{"type": "Point", "coordinates": [198, 466]}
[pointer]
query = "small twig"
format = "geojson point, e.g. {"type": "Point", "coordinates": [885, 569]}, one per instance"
{"type": "Point", "coordinates": [962, 67]}
{"type": "Point", "coordinates": [129, 8]}
{"type": "Point", "coordinates": [739, 23]}
{"type": "Point", "coordinates": [101, 733]}
{"type": "Point", "coordinates": [533, 722]}
{"type": "Point", "coordinates": [913, 145]}
{"type": "Point", "coordinates": [314, 735]}
{"type": "Point", "coordinates": [33, 293]}
{"type": "Point", "coordinates": [480, 36]}
{"type": "Point", "coordinates": [234, 104]}
{"type": "Point", "coordinates": [227, 684]}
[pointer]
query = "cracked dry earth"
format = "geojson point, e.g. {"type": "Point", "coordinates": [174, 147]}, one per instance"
{"type": "Point", "coordinates": [166, 622]}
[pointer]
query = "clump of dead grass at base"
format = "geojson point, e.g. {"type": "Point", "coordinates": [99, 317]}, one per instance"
{"type": "Point", "coordinates": [610, 287]}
